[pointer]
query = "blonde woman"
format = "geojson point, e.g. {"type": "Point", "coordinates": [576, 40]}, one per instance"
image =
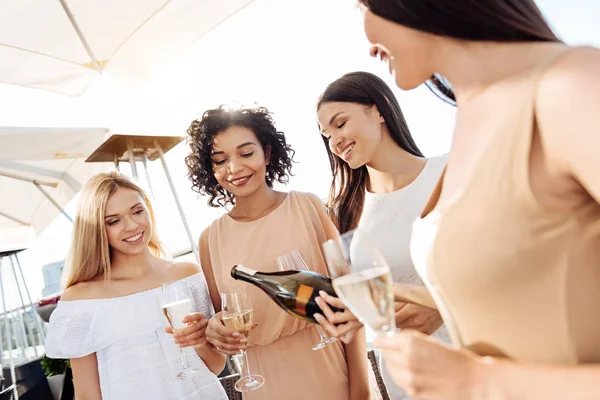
{"type": "Point", "coordinates": [109, 321]}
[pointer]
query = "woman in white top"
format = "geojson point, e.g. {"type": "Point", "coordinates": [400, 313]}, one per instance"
{"type": "Point", "coordinates": [381, 182]}
{"type": "Point", "coordinates": [109, 321]}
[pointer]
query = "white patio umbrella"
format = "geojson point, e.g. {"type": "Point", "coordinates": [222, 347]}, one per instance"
{"type": "Point", "coordinates": [41, 169]}
{"type": "Point", "coordinates": [61, 45]}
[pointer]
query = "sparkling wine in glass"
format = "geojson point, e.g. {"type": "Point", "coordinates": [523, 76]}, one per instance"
{"type": "Point", "coordinates": [294, 261]}
{"type": "Point", "coordinates": [237, 315]}
{"type": "Point", "coordinates": [362, 279]}
{"type": "Point", "coordinates": [177, 303]}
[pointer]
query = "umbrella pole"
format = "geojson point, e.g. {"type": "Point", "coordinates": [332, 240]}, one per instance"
{"type": "Point", "coordinates": [145, 160]}
{"type": "Point", "coordinates": [7, 331]}
{"type": "Point", "coordinates": [21, 314]}
{"type": "Point", "coordinates": [1, 358]}
{"type": "Point", "coordinates": [25, 321]}
{"type": "Point", "coordinates": [132, 159]}
{"type": "Point", "coordinates": [1, 353]}
{"type": "Point", "coordinates": [176, 197]}
{"type": "Point", "coordinates": [36, 316]}
{"type": "Point", "coordinates": [117, 163]}
{"type": "Point", "coordinates": [54, 203]}
{"type": "Point", "coordinates": [1, 346]}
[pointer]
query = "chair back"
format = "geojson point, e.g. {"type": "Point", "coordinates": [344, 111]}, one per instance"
{"type": "Point", "coordinates": [7, 394]}
{"type": "Point", "coordinates": [228, 383]}
{"type": "Point", "coordinates": [375, 365]}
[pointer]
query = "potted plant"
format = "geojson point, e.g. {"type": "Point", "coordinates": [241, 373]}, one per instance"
{"type": "Point", "coordinates": [55, 369]}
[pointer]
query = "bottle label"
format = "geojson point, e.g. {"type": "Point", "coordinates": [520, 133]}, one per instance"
{"type": "Point", "coordinates": [245, 270]}
{"type": "Point", "coordinates": [302, 298]}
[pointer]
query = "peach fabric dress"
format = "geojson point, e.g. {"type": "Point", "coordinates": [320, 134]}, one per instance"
{"type": "Point", "coordinates": [512, 277]}
{"type": "Point", "coordinates": [280, 347]}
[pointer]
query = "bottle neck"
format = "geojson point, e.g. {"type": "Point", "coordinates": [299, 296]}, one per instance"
{"type": "Point", "coordinates": [257, 278]}
{"type": "Point", "coordinates": [242, 273]}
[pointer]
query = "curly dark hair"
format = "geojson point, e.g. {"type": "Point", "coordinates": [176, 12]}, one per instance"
{"type": "Point", "coordinates": [201, 135]}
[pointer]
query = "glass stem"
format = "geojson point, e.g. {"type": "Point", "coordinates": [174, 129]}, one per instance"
{"type": "Point", "coordinates": [321, 332]}
{"type": "Point", "coordinates": [246, 364]}
{"type": "Point", "coordinates": [183, 360]}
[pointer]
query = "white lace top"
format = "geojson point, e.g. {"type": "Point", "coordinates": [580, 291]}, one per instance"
{"type": "Point", "coordinates": [137, 359]}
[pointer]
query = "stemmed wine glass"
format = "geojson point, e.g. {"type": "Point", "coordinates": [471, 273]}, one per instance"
{"type": "Point", "coordinates": [237, 315]}
{"type": "Point", "coordinates": [294, 261]}
{"type": "Point", "coordinates": [177, 303]}
{"type": "Point", "coordinates": [362, 279]}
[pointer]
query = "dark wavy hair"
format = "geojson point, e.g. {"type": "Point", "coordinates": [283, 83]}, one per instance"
{"type": "Point", "coordinates": [490, 20]}
{"type": "Point", "coordinates": [202, 133]}
{"type": "Point", "coordinates": [347, 192]}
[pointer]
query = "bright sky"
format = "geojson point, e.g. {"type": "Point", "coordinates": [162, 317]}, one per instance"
{"type": "Point", "coordinates": [279, 54]}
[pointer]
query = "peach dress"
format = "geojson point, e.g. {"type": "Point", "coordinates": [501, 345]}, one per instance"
{"type": "Point", "coordinates": [512, 277]}
{"type": "Point", "coordinates": [280, 347]}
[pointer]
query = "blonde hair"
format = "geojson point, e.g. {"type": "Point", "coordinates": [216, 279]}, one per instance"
{"type": "Point", "coordinates": [90, 252]}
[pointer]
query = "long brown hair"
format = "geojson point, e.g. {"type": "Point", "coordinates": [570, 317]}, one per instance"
{"type": "Point", "coordinates": [490, 20]}
{"type": "Point", "coordinates": [90, 251]}
{"type": "Point", "coordinates": [347, 192]}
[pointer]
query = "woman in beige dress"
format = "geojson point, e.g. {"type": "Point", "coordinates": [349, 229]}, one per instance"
{"type": "Point", "coordinates": [509, 244]}
{"type": "Point", "coordinates": [236, 156]}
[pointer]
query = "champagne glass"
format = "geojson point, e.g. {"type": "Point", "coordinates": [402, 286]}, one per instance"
{"type": "Point", "coordinates": [294, 261]}
{"type": "Point", "coordinates": [177, 303]}
{"type": "Point", "coordinates": [237, 315]}
{"type": "Point", "coordinates": [362, 279]}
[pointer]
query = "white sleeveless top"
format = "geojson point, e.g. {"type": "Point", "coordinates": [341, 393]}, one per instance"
{"type": "Point", "coordinates": [388, 219]}
{"type": "Point", "coordinates": [137, 359]}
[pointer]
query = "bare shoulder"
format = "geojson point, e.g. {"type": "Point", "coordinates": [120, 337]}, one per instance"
{"type": "Point", "coordinates": [183, 269]}
{"type": "Point", "coordinates": [204, 236]}
{"type": "Point", "coordinates": [83, 291]}
{"type": "Point", "coordinates": [567, 104]}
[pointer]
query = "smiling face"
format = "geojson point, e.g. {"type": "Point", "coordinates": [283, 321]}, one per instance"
{"type": "Point", "coordinates": [128, 222]}
{"type": "Point", "coordinates": [354, 131]}
{"type": "Point", "coordinates": [239, 161]}
{"type": "Point", "coordinates": [407, 51]}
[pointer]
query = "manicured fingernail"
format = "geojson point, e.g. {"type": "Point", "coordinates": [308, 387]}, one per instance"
{"type": "Point", "coordinates": [235, 334]}
{"type": "Point", "coordinates": [322, 293]}
{"type": "Point", "coordinates": [318, 317]}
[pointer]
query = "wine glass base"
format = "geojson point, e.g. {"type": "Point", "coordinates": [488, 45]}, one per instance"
{"type": "Point", "coordinates": [187, 373]}
{"type": "Point", "coordinates": [323, 343]}
{"type": "Point", "coordinates": [249, 383]}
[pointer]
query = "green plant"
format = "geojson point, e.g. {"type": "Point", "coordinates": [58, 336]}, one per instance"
{"type": "Point", "coordinates": [54, 366]}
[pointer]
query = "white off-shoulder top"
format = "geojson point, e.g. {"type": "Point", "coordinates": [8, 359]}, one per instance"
{"type": "Point", "coordinates": [137, 359]}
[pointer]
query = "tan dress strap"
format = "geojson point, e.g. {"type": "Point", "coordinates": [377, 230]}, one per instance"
{"type": "Point", "coordinates": [526, 127]}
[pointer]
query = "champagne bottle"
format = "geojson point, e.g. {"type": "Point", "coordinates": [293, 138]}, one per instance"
{"type": "Point", "coordinates": [294, 291]}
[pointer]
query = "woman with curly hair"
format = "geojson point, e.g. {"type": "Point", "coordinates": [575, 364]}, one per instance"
{"type": "Point", "coordinates": [235, 158]}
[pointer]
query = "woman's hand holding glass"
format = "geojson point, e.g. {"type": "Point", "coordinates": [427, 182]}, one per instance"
{"type": "Point", "coordinates": [226, 340]}
{"type": "Point", "coordinates": [194, 335]}
{"type": "Point", "coordinates": [342, 325]}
